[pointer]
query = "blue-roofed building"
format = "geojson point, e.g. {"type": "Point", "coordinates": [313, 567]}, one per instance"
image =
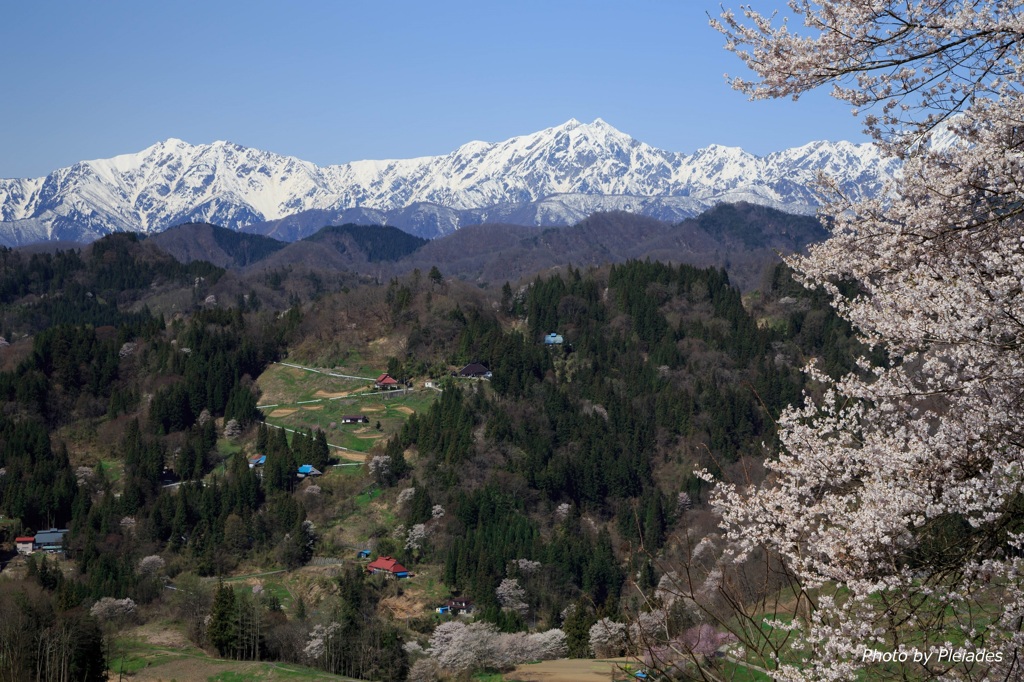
{"type": "Point", "coordinates": [257, 461]}
{"type": "Point", "coordinates": [553, 339]}
{"type": "Point", "coordinates": [51, 540]}
{"type": "Point", "coordinates": [308, 470]}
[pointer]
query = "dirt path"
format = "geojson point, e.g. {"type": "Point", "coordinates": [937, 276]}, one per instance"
{"type": "Point", "coordinates": [351, 455]}
{"type": "Point", "coordinates": [284, 412]}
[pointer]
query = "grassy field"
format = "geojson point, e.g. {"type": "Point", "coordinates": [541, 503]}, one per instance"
{"type": "Point", "coordinates": [296, 398]}
{"type": "Point", "coordinates": [271, 582]}
{"type": "Point", "coordinates": [286, 384]}
{"type": "Point", "coordinates": [112, 469]}
{"type": "Point", "coordinates": [226, 448]}
{"type": "Point", "coordinates": [573, 670]}
{"type": "Point", "coordinates": [135, 657]}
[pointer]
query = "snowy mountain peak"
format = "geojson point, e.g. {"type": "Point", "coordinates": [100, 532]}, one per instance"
{"type": "Point", "coordinates": [553, 176]}
{"type": "Point", "coordinates": [598, 128]}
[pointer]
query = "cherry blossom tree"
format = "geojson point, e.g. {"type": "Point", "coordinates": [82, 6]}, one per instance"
{"type": "Point", "coordinates": [151, 566]}
{"type": "Point", "coordinates": [512, 596]}
{"type": "Point", "coordinates": [111, 609]}
{"type": "Point", "coordinates": [896, 501]}
{"type": "Point", "coordinates": [459, 647]}
{"type": "Point", "coordinates": [415, 538]}
{"type": "Point", "coordinates": [425, 670]}
{"type": "Point", "coordinates": [608, 638]}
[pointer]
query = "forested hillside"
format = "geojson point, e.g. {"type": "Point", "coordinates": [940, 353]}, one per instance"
{"type": "Point", "coordinates": [579, 456]}
{"type": "Point", "coordinates": [548, 492]}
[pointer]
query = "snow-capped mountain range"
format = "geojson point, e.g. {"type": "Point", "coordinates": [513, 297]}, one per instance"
{"type": "Point", "coordinates": [553, 177]}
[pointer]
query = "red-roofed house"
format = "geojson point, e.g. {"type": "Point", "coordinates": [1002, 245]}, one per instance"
{"type": "Point", "coordinates": [386, 564]}
{"type": "Point", "coordinates": [386, 382]}
{"type": "Point", "coordinates": [25, 544]}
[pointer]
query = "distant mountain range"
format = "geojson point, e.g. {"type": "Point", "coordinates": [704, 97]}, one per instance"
{"type": "Point", "coordinates": [558, 176]}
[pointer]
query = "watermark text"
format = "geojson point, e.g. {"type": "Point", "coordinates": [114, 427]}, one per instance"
{"type": "Point", "coordinates": [940, 655]}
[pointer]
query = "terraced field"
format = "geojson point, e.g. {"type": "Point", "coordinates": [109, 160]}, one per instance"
{"type": "Point", "coordinates": [298, 398]}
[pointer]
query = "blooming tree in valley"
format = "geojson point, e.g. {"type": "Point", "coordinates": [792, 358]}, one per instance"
{"type": "Point", "coordinates": [511, 595]}
{"type": "Point", "coordinates": [460, 648]}
{"type": "Point", "coordinates": [111, 609]}
{"type": "Point", "coordinates": [151, 566]}
{"type": "Point", "coordinates": [608, 638]}
{"type": "Point", "coordinates": [415, 538]}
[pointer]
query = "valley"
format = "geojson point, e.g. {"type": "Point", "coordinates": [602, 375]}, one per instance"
{"type": "Point", "coordinates": [231, 457]}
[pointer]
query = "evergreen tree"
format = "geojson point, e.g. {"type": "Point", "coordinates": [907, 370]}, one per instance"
{"type": "Point", "coordinates": [222, 631]}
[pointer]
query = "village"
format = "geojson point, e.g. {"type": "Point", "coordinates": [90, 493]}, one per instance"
{"type": "Point", "coordinates": [292, 413]}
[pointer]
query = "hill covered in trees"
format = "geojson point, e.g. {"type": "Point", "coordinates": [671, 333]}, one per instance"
{"type": "Point", "coordinates": [217, 245]}
{"type": "Point", "coordinates": [742, 238]}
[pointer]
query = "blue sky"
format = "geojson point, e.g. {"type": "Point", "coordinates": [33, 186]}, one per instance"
{"type": "Point", "coordinates": [332, 82]}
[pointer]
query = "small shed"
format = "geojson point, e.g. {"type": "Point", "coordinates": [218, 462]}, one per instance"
{"type": "Point", "coordinates": [355, 419]}
{"type": "Point", "coordinates": [25, 543]}
{"type": "Point", "coordinates": [363, 554]}
{"type": "Point", "coordinates": [553, 339]}
{"type": "Point", "coordinates": [308, 470]}
{"type": "Point", "coordinates": [257, 461]}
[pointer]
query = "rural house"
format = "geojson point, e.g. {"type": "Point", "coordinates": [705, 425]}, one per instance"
{"type": "Point", "coordinates": [475, 370]}
{"type": "Point", "coordinates": [389, 565]}
{"type": "Point", "coordinates": [51, 540]}
{"type": "Point", "coordinates": [456, 606]}
{"type": "Point", "coordinates": [386, 382]}
{"type": "Point", "coordinates": [25, 543]}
